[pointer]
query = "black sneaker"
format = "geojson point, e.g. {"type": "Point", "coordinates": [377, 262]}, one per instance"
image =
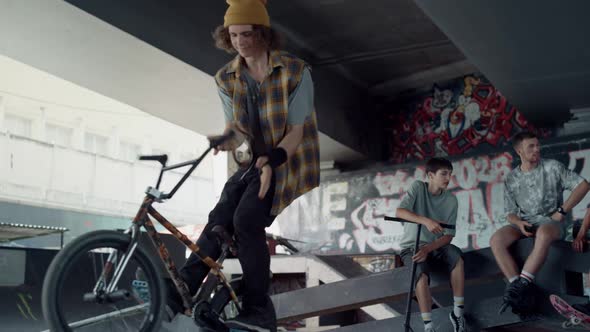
{"type": "Point", "coordinates": [516, 290]}
{"type": "Point", "coordinates": [254, 319]}
{"type": "Point", "coordinates": [458, 322]}
{"type": "Point", "coordinates": [519, 296]}
{"type": "Point", "coordinates": [583, 308]}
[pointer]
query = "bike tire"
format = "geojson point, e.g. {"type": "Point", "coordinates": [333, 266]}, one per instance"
{"type": "Point", "coordinates": [64, 262]}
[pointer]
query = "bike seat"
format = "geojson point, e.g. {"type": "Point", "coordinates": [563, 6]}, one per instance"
{"type": "Point", "coordinates": [222, 234]}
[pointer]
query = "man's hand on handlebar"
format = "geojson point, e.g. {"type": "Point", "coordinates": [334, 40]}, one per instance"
{"type": "Point", "coordinates": [224, 142]}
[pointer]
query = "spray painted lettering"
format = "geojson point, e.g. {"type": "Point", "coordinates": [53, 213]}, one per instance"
{"type": "Point", "coordinates": [352, 207]}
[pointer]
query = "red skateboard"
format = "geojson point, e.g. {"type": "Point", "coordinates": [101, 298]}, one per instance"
{"type": "Point", "coordinates": [573, 316]}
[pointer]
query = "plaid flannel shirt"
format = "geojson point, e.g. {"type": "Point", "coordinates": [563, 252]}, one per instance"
{"type": "Point", "coordinates": [301, 172]}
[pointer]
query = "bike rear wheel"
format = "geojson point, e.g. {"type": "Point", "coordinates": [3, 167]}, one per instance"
{"type": "Point", "coordinates": [76, 297]}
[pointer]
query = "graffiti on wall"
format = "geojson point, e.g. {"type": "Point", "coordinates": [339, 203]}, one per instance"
{"type": "Point", "coordinates": [376, 263]}
{"type": "Point", "coordinates": [453, 119]}
{"type": "Point", "coordinates": [352, 207]}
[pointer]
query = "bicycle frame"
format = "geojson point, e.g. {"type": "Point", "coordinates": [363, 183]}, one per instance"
{"type": "Point", "coordinates": [142, 219]}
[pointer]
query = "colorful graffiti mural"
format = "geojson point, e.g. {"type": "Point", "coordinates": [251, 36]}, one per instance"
{"type": "Point", "coordinates": [465, 114]}
{"type": "Point", "coordinates": [345, 215]}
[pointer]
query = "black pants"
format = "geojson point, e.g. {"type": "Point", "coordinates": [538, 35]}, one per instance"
{"type": "Point", "coordinates": [246, 216]}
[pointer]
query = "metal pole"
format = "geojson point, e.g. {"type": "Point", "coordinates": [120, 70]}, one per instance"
{"type": "Point", "coordinates": [410, 293]}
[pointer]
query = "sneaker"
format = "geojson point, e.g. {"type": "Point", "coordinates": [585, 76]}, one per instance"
{"type": "Point", "coordinates": [516, 290]}
{"type": "Point", "coordinates": [458, 322]}
{"type": "Point", "coordinates": [520, 295]}
{"type": "Point", "coordinates": [247, 323]}
{"type": "Point", "coordinates": [583, 308]}
{"type": "Point", "coordinates": [429, 329]}
{"type": "Point", "coordinates": [253, 319]}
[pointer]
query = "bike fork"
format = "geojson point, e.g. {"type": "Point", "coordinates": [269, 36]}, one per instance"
{"type": "Point", "coordinates": [119, 264]}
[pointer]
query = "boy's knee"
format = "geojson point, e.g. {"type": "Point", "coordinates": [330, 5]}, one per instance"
{"type": "Point", "coordinates": [422, 279]}
{"type": "Point", "coordinates": [501, 239]}
{"type": "Point", "coordinates": [547, 234]}
{"type": "Point", "coordinates": [496, 241]}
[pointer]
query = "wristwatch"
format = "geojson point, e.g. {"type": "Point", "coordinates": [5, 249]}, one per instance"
{"type": "Point", "coordinates": [561, 211]}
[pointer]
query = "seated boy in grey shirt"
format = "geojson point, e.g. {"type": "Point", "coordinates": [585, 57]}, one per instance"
{"type": "Point", "coordinates": [430, 204]}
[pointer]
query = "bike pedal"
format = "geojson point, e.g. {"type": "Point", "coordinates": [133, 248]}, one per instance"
{"type": "Point", "coordinates": [141, 290]}
{"type": "Point", "coordinates": [139, 283]}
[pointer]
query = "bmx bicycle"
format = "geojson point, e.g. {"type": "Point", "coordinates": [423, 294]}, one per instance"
{"type": "Point", "coordinates": [104, 281]}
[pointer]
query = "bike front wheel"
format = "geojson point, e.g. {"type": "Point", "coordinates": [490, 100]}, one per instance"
{"type": "Point", "coordinates": [82, 293]}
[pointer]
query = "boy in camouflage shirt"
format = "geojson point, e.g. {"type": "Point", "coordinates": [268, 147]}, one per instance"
{"type": "Point", "coordinates": [533, 202]}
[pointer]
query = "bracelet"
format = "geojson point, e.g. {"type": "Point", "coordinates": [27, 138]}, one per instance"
{"type": "Point", "coordinates": [276, 157]}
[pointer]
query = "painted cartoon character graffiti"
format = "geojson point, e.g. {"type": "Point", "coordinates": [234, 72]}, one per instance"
{"type": "Point", "coordinates": [465, 114]}
{"type": "Point", "coordinates": [456, 120]}
{"type": "Point", "coordinates": [418, 132]}
{"type": "Point", "coordinates": [441, 98]}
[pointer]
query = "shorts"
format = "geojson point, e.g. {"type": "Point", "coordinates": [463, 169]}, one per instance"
{"type": "Point", "coordinates": [563, 226]}
{"type": "Point", "coordinates": [444, 259]}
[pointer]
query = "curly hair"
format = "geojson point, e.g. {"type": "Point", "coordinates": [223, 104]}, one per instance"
{"type": "Point", "coordinates": [267, 37]}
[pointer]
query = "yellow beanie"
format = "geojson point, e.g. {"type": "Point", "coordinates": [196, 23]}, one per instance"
{"type": "Point", "coordinates": [246, 12]}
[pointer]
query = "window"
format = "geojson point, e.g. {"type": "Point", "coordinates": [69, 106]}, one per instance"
{"type": "Point", "coordinates": [18, 125]}
{"type": "Point", "coordinates": [129, 151]}
{"type": "Point", "coordinates": [58, 135]}
{"type": "Point", "coordinates": [96, 144]}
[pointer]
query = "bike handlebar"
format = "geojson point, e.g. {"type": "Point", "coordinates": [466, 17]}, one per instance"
{"type": "Point", "coordinates": [215, 141]}
{"type": "Point", "coordinates": [162, 159]}
{"type": "Point", "coordinates": [447, 226]}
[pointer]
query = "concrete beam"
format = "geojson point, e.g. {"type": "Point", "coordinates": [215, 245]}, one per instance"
{"type": "Point", "coordinates": [316, 270]}
{"type": "Point", "coordinates": [142, 53]}
{"type": "Point", "coordinates": [422, 79]}
{"type": "Point", "coordinates": [341, 296]}
{"type": "Point", "coordinates": [183, 30]}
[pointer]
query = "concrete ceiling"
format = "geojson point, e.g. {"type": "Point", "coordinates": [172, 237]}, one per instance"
{"type": "Point", "coordinates": [71, 44]}
{"type": "Point", "coordinates": [367, 43]}
{"type": "Point", "coordinates": [158, 56]}
{"type": "Point", "coordinates": [360, 53]}
{"type": "Point", "coordinates": [536, 52]}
